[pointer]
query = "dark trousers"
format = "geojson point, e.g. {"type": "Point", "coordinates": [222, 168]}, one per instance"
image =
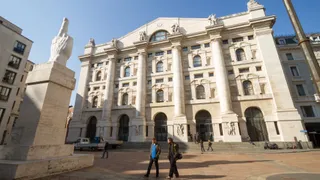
{"type": "Point", "coordinates": [210, 147]}
{"type": "Point", "coordinates": [150, 166]}
{"type": "Point", "coordinates": [173, 167]}
{"type": "Point", "coordinates": [104, 153]}
{"type": "Point", "coordinates": [202, 148]}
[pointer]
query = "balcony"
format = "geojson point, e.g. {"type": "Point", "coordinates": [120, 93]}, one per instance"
{"type": "Point", "coordinates": [13, 65]}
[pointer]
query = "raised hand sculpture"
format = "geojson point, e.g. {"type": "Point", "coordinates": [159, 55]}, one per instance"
{"type": "Point", "coordinates": [61, 46]}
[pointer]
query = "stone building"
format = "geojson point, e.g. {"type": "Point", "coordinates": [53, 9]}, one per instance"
{"type": "Point", "coordinates": [300, 81]}
{"type": "Point", "coordinates": [14, 67]}
{"type": "Point", "coordinates": [220, 77]}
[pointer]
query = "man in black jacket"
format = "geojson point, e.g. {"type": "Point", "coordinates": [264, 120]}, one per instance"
{"type": "Point", "coordinates": [173, 157]}
{"type": "Point", "coordinates": [155, 151]}
{"type": "Point", "coordinates": [105, 151]}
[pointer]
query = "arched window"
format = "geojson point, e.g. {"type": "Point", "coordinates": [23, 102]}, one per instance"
{"type": "Point", "coordinates": [125, 99]}
{"type": "Point", "coordinates": [197, 61]}
{"type": "Point", "coordinates": [95, 102]}
{"type": "Point", "coordinates": [248, 88]}
{"type": "Point", "coordinates": [160, 96]}
{"type": "Point", "coordinates": [241, 56]}
{"type": "Point", "coordinates": [159, 36]}
{"type": "Point", "coordinates": [98, 76]}
{"type": "Point", "coordinates": [127, 72]}
{"type": "Point", "coordinates": [200, 92]}
{"type": "Point", "coordinates": [159, 66]}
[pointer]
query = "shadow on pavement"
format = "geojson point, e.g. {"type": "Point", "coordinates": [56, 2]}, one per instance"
{"type": "Point", "coordinates": [201, 176]}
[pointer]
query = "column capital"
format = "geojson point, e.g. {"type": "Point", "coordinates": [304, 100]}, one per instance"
{"type": "Point", "coordinates": [141, 45]}
{"type": "Point", "coordinates": [176, 46]}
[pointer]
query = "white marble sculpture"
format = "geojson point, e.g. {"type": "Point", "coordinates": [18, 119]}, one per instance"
{"type": "Point", "coordinates": [114, 43]}
{"type": "Point", "coordinates": [252, 4]}
{"type": "Point", "coordinates": [180, 130]}
{"type": "Point", "coordinates": [232, 129]}
{"type": "Point", "coordinates": [175, 28]}
{"type": "Point", "coordinates": [61, 46]}
{"type": "Point", "coordinates": [143, 36]}
{"type": "Point", "coordinates": [91, 42]}
{"type": "Point", "coordinates": [212, 20]}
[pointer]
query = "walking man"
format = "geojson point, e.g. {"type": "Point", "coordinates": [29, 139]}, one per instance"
{"type": "Point", "coordinates": [173, 157]}
{"type": "Point", "coordinates": [155, 151]}
{"type": "Point", "coordinates": [202, 147]}
{"type": "Point", "coordinates": [105, 150]}
{"type": "Point", "coordinates": [209, 145]}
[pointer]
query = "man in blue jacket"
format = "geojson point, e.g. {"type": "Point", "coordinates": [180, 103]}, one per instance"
{"type": "Point", "coordinates": [155, 151]}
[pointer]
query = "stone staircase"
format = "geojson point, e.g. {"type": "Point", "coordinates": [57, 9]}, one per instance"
{"type": "Point", "coordinates": [217, 146]}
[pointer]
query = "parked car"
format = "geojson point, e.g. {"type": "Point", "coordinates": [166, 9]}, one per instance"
{"type": "Point", "coordinates": [96, 144]}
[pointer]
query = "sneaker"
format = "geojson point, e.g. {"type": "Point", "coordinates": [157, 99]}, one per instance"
{"type": "Point", "coordinates": [146, 175]}
{"type": "Point", "coordinates": [168, 177]}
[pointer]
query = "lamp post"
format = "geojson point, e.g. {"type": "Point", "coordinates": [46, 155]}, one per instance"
{"type": "Point", "coordinates": [305, 44]}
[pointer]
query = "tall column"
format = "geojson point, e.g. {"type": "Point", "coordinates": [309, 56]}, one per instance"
{"type": "Point", "coordinates": [178, 86]}
{"type": "Point", "coordinates": [229, 119]}
{"type": "Point", "coordinates": [222, 81]}
{"type": "Point", "coordinates": [108, 96]}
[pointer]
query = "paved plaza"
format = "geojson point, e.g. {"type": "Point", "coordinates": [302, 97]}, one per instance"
{"type": "Point", "coordinates": [222, 166]}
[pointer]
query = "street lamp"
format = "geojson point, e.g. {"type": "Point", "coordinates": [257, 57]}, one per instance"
{"type": "Point", "coordinates": [305, 44]}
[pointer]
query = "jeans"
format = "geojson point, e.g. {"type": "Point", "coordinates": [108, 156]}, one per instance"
{"type": "Point", "coordinates": [202, 149]}
{"type": "Point", "coordinates": [105, 152]}
{"type": "Point", "coordinates": [150, 166]}
{"type": "Point", "coordinates": [173, 167]}
{"type": "Point", "coordinates": [210, 147]}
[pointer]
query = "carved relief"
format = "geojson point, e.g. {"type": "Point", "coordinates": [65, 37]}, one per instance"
{"type": "Point", "coordinates": [212, 20]}
{"type": "Point", "coordinates": [180, 129]}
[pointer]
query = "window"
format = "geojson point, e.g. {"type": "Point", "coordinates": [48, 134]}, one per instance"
{"type": "Point", "coordinates": [95, 102]}
{"type": "Point", "coordinates": [169, 52]}
{"type": "Point", "coordinates": [226, 41]}
{"type": "Point", "coordinates": [125, 99]}
{"type": "Point", "coordinates": [300, 90]}
{"type": "Point", "coordinates": [98, 76]}
{"type": "Point", "coordinates": [31, 68]}
{"type": "Point", "coordinates": [92, 65]}
{"type": "Point", "coordinates": [88, 89]}
{"type": "Point", "coordinates": [307, 111]}
{"type": "Point", "coordinates": [149, 55]}
{"type": "Point", "coordinates": [196, 47]}
{"type": "Point", "coordinates": [107, 62]}
{"type": "Point", "coordinates": [99, 64]}
{"type": "Point", "coordinates": [200, 92]}
{"type": "Point", "coordinates": [127, 72]}
{"type": "Point", "coordinates": [244, 70]}
{"type": "Point", "coordinates": [160, 53]}
{"type": "Point", "coordinates": [21, 78]}
{"type": "Point", "coordinates": [159, 80]}
{"type": "Point", "coordinates": [220, 129]}
{"type": "Point", "coordinates": [185, 49]}
{"type": "Point", "coordinates": [197, 61]}
{"type": "Point", "coordinates": [117, 85]}
{"type": "Point", "coordinates": [159, 66]}
{"type": "Point", "coordinates": [187, 77]}
{"type": "Point", "coordinates": [96, 88]}
{"type": "Point", "coordinates": [127, 59]}
{"type": "Point", "coordinates": [294, 71]}
{"type": "Point", "coordinates": [289, 56]}
{"type": "Point", "coordinates": [211, 74]}
{"type": "Point", "coordinates": [1, 113]}
{"type": "Point", "coordinates": [125, 85]}
{"type": "Point", "coordinates": [14, 62]}
{"type": "Point", "coordinates": [276, 127]}
{"type": "Point", "coordinates": [136, 58]}
{"type": "Point", "coordinates": [134, 100]}
{"type": "Point", "coordinates": [258, 68]}
{"type": "Point", "coordinates": [159, 36]}
{"type": "Point", "coordinates": [230, 72]}
{"type": "Point", "coordinates": [119, 60]}
{"type": "Point", "coordinates": [147, 131]}
{"type": "Point", "coordinates": [18, 91]}
{"type": "Point", "coordinates": [206, 45]}
{"type": "Point", "coordinates": [198, 76]}
{"type": "Point", "coordinates": [241, 56]}
{"type": "Point", "coordinates": [149, 82]}
{"type": "Point", "coordinates": [247, 88]}
{"type": "Point", "coordinates": [282, 41]}
{"type": "Point", "coordinates": [103, 87]}
{"type": "Point", "coordinates": [160, 95]}
{"type": "Point", "coordinates": [19, 47]}
{"type": "Point", "coordinates": [134, 83]}
{"type": "Point", "coordinates": [9, 77]}
{"type": "Point", "coordinates": [170, 79]}
{"type": "Point", "coordinates": [239, 39]}
{"type": "Point", "coordinates": [250, 37]}
{"type": "Point", "coordinates": [14, 103]}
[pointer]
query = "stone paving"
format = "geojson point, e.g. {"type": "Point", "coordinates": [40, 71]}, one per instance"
{"type": "Point", "coordinates": [222, 166]}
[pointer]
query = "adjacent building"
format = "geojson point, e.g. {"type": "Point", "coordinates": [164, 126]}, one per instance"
{"type": "Point", "coordinates": [14, 67]}
{"type": "Point", "coordinates": [223, 78]}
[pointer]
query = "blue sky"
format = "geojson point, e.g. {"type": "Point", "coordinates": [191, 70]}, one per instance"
{"type": "Point", "coordinates": [105, 19]}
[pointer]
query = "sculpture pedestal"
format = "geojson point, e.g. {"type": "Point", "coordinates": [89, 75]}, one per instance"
{"type": "Point", "coordinates": [230, 128]}
{"type": "Point", "coordinates": [138, 130]}
{"type": "Point", "coordinates": [180, 129]}
{"type": "Point", "coordinates": [37, 146]}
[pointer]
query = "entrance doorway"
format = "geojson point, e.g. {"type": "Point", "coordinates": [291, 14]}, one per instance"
{"type": "Point", "coordinates": [160, 128]}
{"type": "Point", "coordinates": [123, 133]}
{"type": "Point", "coordinates": [256, 125]}
{"type": "Point", "coordinates": [314, 133]}
{"type": "Point", "coordinates": [91, 128]}
{"type": "Point", "coordinates": [204, 125]}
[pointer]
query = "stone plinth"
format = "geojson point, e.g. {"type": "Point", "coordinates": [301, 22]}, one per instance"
{"type": "Point", "coordinates": [37, 147]}
{"type": "Point", "coordinates": [230, 128]}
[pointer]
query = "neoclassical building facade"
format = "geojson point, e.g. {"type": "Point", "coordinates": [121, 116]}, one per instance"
{"type": "Point", "coordinates": [219, 77]}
